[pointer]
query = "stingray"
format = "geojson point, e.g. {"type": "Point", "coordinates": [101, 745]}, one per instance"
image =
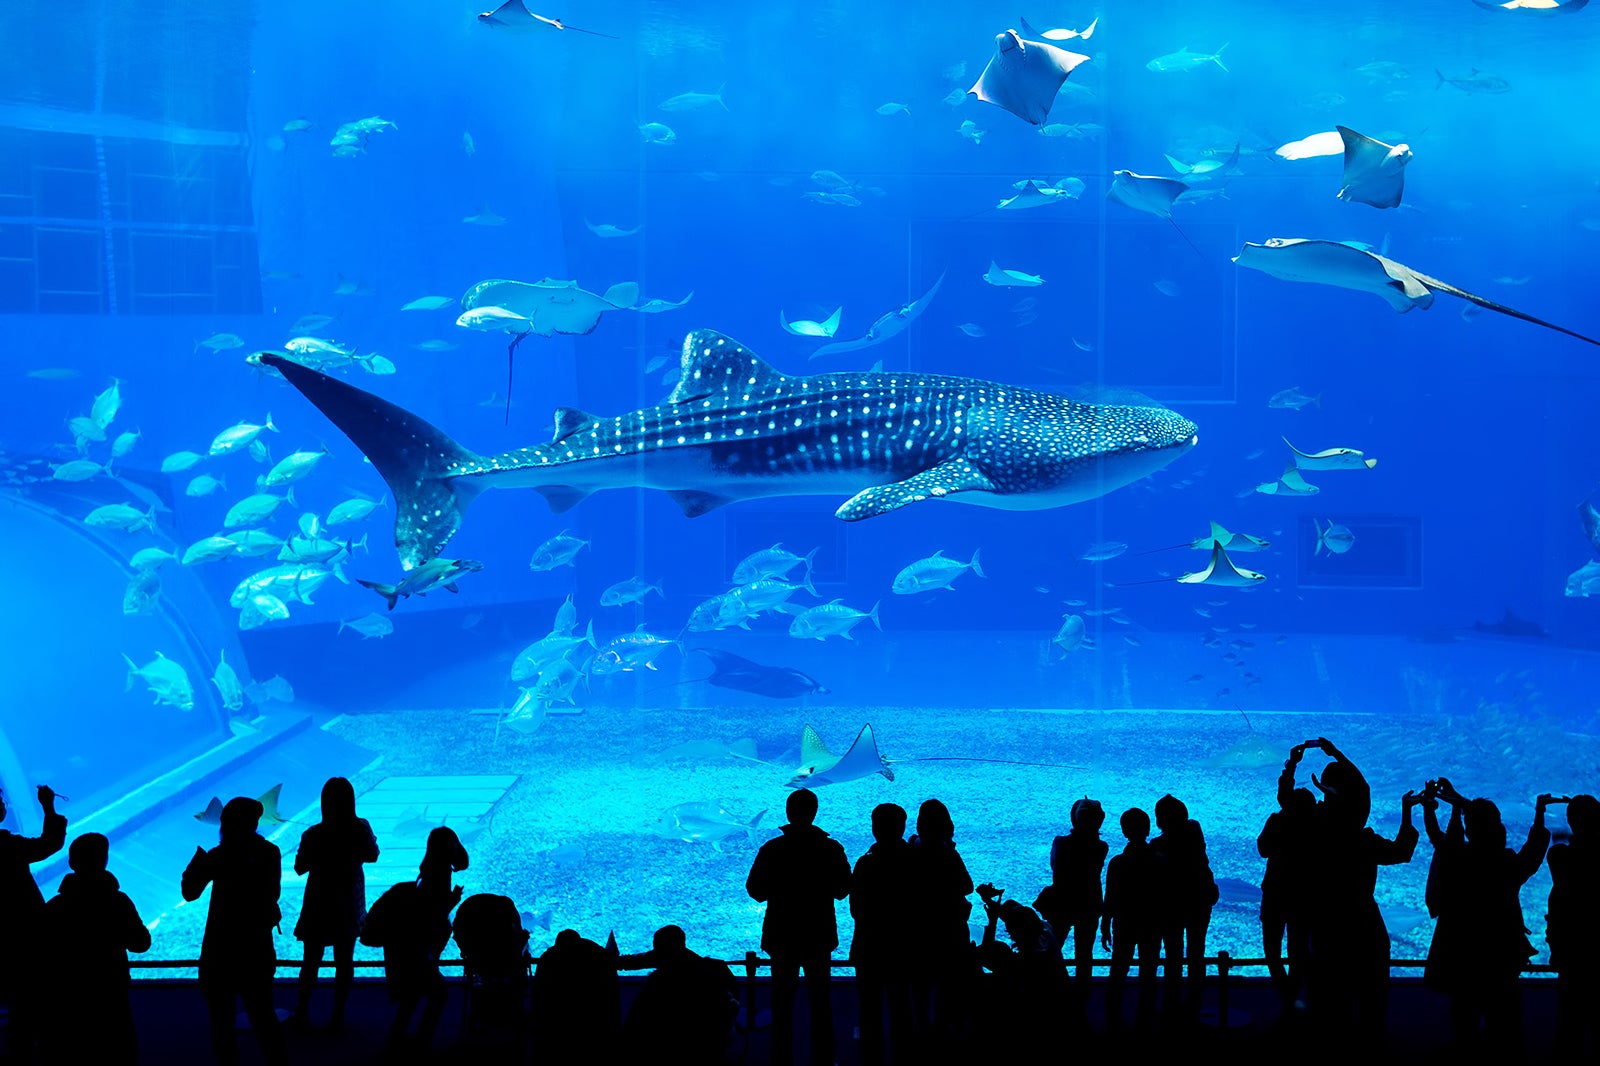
{"type": "Point", "coordinates": [1221, 571]}
{"type": "Point", "coordinates": [1333, 263]}
{"type": "Point", "coordinates": [1374, 172]}
{"type": "Point", "coordinates": [514, 17]}
{"type": "Point", "coordinates": [212, 815]}
{"type": "Point", "coordinates": [1290, 483]}
{"type": "Point", "coordinates": [744, 675]}
{"type": "Point", "coordinates": [1331, 459]}
{"type": "Point", "coordinates": [1239, 542]}
{"type": "Point", "coordinates": [1152, 195]}
{"type": "Point", "coordinates": [1060, 34]}
{"type": "Point", "coordinates": [1025, 76]}
{"type": "Point", "coordinates": [1538, 7]}
{"type": "Point", "coordinates": [819, 766]}
{"type": "Point", "coordinates": [890, 324]}
{"type": "Point", "coordinates": [546, 307]}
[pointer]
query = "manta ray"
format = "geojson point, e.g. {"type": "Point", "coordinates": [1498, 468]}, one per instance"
{"type": "Point", "coordinates": [1025, 76]}
{"type": "Point", "coordinates": [735, 428]}
{"type": "Point", "coordinates": [1347, 267]}
{"type": "Point", "coordinates": [212, 815]}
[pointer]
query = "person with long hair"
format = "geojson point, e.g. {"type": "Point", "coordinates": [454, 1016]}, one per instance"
{"type": "Point", "coordinates": [331, 855]}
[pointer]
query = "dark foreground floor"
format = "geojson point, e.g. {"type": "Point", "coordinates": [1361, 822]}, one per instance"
{"type": "Point", "coordinates": [172, 1029]}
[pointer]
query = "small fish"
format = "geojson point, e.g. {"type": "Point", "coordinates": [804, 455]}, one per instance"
{"type": "Point", "coordinates": [166, 680]}
{"type": "Point", "coordinates": [468, 145]}
{"type": "Point", "coordinates": [629, 590]}
{"type": "Point", "coordinates": [293, 468]}
{"type": "Point", "coordinates": [1070, 637]}
{"type": "Point", "coordinates": [893, 109]}
{"type": "Point", "coordinates": [1082, 346]}
{"type": "Point", "coordinates": [1292, 399]}
{"type": "Point", "coordinates": [1167, 288]}
{"type": "Point", "coordinates": [209, 550]}
{"type": "Point", "coordinates": [355, 509]}
{"type": "Point", "coordinates": [77, 470]}
{"type": "Point", "coordinates": [704, 822]}
{"type": "Point", "coordinates": [1337, 539]}
{"type": "Point", "coordinates": [972, 329]}
{"type": "Point", "coordinates": [106, 405]}
{"type": "Point", "coordinates": [829, 620]}
{"type": "Point", "coordinates": [1475, 82]}
{"type": "Point", "coordinates": [559, 550]}
{"type": "Point", "coordinates": [436, 573]}
{"type": "Point", "coordinates": [204, 485]}
{"type": "Point", "coordinates": [150, 558]}
{"type": "Point", "coordinates": [566, 856]}
{"type": "Point", "coordinates": [693, 101]}
{"type": "Point", "coordinates": [140, 595]}
{"type": "Point", "coordinates": [121, 516]}
{"type": "Point", "coordinates": [351, 287]}
{"type": "Point", "coordinates": [221, 342]}
{"type": "Point", "coordinates": [934, 572]}
{"type": "Point", "coordinates": [970, 129]}
{"type": "Point", "coordinates": [657, 133]}
{"type": "Point", "coordinates": [1383, 70]}
{"type": "Point", "coordinates": [124, 443]}
{"type": "Point", "coordinates": [310, 323]}
{"type": "Point", "coordinates": [236, 437]}
{"type": "Point", "coordinates": [428, 303]}
{"type": "Point", "coordinates": [773, 562]}
{"type": "Point", "coordinates": [1184, 60]}
{"type": "Point", "coordinates": [1101, 551]}
{"type": "Point", "coordinates": [227, 682]}
{"type": "Point", "coordinates": [484, 217]}
{"type": "Point", "coordinates": [369, 625]}
{"type": "Point", "coordinates": [274, 688]}
{"type": "Point", "coordinates": [260, 609]}
{"type": "Point", "coordinates": [629, 652]}
{"type": "Point", "coordinates": [51, 373]}
{"type": "Point", "coordinates": [298, 125]}
{"type": "Point", "coordinates": [253, 510]}
{"type": "Point", "coordinates": [434, 346]}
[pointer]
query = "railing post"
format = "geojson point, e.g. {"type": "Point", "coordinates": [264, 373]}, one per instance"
{"type": "Point", "coordinates": [751, 960]}
{"type": "Point", "coordinates": [1224, 961]}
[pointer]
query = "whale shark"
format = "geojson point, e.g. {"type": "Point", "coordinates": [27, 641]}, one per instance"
{"type": "Point", "coordinates": [736, 428]}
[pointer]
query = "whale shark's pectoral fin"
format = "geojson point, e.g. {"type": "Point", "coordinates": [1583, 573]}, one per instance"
{"type": "Point", "coordinates": [562, 498]}
{"type": "Point", "coordinates": [944, 479]}
{"type": "Point", "coordinates": [693, 503]}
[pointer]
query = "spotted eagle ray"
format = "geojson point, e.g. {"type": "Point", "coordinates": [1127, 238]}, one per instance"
{"type": "Point", "coordinates": [1333, 263]}
{"type": "Point", "coordinates": [735, 428]}
{"type": "Point", "coordinates": [819, 766]}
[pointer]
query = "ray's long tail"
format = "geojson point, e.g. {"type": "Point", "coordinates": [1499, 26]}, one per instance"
{"type": "Point", "coordinates": [1485, 302]}
{"type": "Point", "coordinates": [420, 462]}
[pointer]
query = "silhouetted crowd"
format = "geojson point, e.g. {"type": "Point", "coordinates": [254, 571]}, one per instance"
{"type": "Point", "coordinates": [927, 992]}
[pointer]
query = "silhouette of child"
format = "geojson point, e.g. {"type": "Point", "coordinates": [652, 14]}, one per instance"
{"type": "Point", "coordinates": [1191, 893]}
{"type": "Point", "coordinates": [880, 892]}
{"type": "Point", "coordinates": [1133, 919]}
{"type": "Point", "coordinates": [1073, 902]}
{"type": "Point", "coordinates": [91, 925]}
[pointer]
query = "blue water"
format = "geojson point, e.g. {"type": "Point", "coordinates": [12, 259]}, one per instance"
{"type": "Point", "coordinates": [151, 198]}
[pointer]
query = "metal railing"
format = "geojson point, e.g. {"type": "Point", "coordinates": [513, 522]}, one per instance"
{"type": "Point", "coordinates": [752, 963]}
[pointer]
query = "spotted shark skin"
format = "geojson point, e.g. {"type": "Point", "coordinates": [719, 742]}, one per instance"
{"type": "Point", "coordinates": [735, 428]}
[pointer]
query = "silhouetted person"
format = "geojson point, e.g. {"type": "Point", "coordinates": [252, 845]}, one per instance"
{"type": "Point", "coordinates": [1191, 893]}
{"type": "Point", "coordinates": [237, 957]}
{"type": "Point", "coordinates": [1073, 901]}
{"type": "Point", "coordinates": [1480, 944]}
{"type": "Point", "coordinates": [942, 954]}
{"type": "Point", "coordinates": [89, 928]}
{"type": "Point", "coordinates": [1572, 927]}
{"type": "Point", "coordinates": [880, 891]}
{"type": "Point", "coordinates": [21, 903]}
{"type": "Point", "coordinates": [798, 876]}
{"type": "Point", "coordinates": [685, 1008]}
{"type": "Point", "coordinates": [417, 929]}
{"type": "Point", "coordinates": [1287, 842]}
{"type": "Point", "coordinates": [1030, 980]}
{"type": "Point", "coordinates": [331, 854]}
{"type": "Point", "coordinates": [1349, 950]}
{"type": "Point", "coordinates": [1133, 920]}
{"type": "Point", "coordinates": [577, 1010]}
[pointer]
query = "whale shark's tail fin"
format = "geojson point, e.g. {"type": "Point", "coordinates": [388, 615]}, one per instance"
{"type": "Point", "coordinates": [421, 464]}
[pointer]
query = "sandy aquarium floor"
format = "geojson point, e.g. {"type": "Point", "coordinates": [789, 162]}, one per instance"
{"type": "Point", "coordinates": [578, 837]}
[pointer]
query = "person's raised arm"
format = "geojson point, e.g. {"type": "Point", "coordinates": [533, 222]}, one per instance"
{"type": "Point", "coordinates": [197, 875]}
{"type": "Point", "coordinates": [1286, 778]}
{"type": "Point", "coordinates": [1531, 854]}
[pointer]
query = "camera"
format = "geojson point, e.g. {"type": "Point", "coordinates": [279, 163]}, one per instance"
{"type": "Point", "coordinates": [989, 894]}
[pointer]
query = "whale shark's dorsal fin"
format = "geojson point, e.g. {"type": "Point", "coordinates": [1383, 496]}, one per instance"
{"type": "Point", "coordinates": [568, 421]}
{"type": "Point", "coordinates": [714, 363]}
